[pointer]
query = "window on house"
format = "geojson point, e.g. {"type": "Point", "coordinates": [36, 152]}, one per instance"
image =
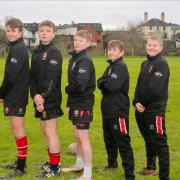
{"type": "Point", "coordinates": [150, 27]}
{"type": "Point", "coordinates": [165, 35]}
{"type": "Point", "coordinates": [164, 28]}
{"type": "Point", "coordinates": [157, 28]}
{"type": "Point", "coordinates": [33, 40]}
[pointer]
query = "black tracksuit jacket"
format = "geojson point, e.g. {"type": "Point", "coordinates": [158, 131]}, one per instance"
{"type": "Point", "coordinates": [81, 81]}
{"type": "Point", "coordinates": [15, 85]}
{"type": "Point", "coordinates": [114, 85]}
{"type": "Point", "coordinates": [152, 85]}
{"type": "Point", "coordinates": [45, 75]}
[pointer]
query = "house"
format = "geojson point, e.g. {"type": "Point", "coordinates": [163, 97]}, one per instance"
{"type": "Point", "coordinates": [67, 31]}
{"type": "Point", "coordinates": [159, 26]}
{"type": "Point", "coordinates": [30, 34]}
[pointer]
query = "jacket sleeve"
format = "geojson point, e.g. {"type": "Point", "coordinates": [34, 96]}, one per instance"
{"type": "Point", "coordinates": [12, 70]}
{"type": "Point", "coordinates": [158, 82]}
{"type": "Point", "coordinates": [136, 94]}
{"type": "Point", "coordinates": [53, 71]}
{"type": "Point", "coordinates": [82, 78]}
{"type": "Point", "coordinates": [114, 82]}
{"type": "Point", "coordinates": [33, 86]}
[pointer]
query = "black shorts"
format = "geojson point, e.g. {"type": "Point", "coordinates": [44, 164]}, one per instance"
{"type": "Point", "coordinates": [14, 111]}
{"type": "Point", "coordinates": [49, 114]}
{"type": "Point", "coordinates": [81, 125]}
{"type": "Point", "coordinates": [81, 118]}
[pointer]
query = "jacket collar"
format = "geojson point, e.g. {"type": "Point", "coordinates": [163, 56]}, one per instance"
{"type": "Point", "coordinates": [15, 42]}
{"type": "Point", "coordinates": [154, 58]}
{"type": "Point", "coordinates": [116, 61]}
{"type": "Point", "coordinates": [43, 47]}
{"type": "Point", "coordinates": [76, 55]}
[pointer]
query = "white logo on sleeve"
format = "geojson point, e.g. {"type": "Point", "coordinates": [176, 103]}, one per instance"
{"type": "Point", "coordinates": [82, 70]}
{"type": "Point", "coordinates": [114, 75]}
{"type": "Point", "coordinates": [53, 62]}
{"type": "Point", "coordinates": [13, 60]}
{"type": "Point", "coordinates": [158, 74]}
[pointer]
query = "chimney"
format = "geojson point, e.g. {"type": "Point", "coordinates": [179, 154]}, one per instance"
{"type": "Point", "coordinates": [145, 17]}
{"type": "Point", "coordinates": [162, 16]}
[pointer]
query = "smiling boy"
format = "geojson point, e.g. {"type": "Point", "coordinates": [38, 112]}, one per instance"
{"type": "Point", "coordinates": [150, 102]}
{"type": "Point", "coordinates": [14, 91]}
{"type": "Point", "coordinates": [80, 88]}
{"type": "Point", "coordinates": [45, 82]}
{"type": "Point", "coordinates": [114, 84]}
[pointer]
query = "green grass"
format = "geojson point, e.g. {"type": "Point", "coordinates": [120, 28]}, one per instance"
{"type": "Point", "coordinates": [37, 153]}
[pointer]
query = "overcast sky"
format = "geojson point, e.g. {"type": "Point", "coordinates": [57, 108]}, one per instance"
{"type": "Point", "coordinates": [112, 14]}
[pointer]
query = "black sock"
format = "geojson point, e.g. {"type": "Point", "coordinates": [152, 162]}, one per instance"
{"type": "Point", "coordinates": [54, 167]}
{"type": "Point", "coordinates": [21, 164]}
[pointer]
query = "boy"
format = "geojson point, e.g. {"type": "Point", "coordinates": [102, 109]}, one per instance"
{"type": "Point", "coordinates": [114, 85]}
{"type": "Point", "coordinates": [14, 91]}
{"type": "Point", "coordinates": [150, 102]}
{"type": "Point", "coordinates": [46, 70]}
{"type": "Point", "coordinates": [80, 88]}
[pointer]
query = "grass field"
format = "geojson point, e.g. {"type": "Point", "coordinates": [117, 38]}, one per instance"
{"type": "Point", "coordinates": [37, 153]}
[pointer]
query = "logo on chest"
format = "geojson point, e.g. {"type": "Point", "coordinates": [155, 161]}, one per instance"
{"type": "Point", "coordinates": [13, 60]}
{"type": "Point", "coordinates": [158, 74]}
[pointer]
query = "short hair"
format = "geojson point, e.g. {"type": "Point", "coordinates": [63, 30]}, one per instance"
{"type": "Point", "coordinates": [116, 44]}
{"type": "Point", "coordinates": [48, 23]}
{"type": "Point", "coordinates": [156, 37]}
{"type": "Point", "coordinates": [84, 34]}
{"type": "Point", "coordinates": [15, 23]}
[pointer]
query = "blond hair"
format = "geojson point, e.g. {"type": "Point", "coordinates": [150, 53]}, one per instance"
{"type": "Point", "coordinates": [156, 37]}
{"type": "Point", "coordinates": [84, 34]}
{"type": "Point", "coordinates": [49, 24]}
{"type": "Point", "coordinates": [116, 44]}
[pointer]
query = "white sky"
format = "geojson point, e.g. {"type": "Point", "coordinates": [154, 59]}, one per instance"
{"type": "Point", "coordinates": [112, 14]}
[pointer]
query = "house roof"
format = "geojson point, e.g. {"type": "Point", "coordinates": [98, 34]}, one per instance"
{"type": "Point", "coordinates": [156, 22]}
{"type": "Point", "coordinates": [32, 27]}
{"type": "Point", "coordinates": [96, 26]}
{"type": "Point", "coordinates": [175, 27]}
{"type": "Point", "coordinates": [66, 26]}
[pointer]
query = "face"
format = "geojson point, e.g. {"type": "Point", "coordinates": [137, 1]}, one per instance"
{"type": "Point", "coordinates": [115, 53]}
{"type": "Point", "coordinates": [153, 47]}
{"type": "Point", "coordinates": [46, 34]}
{"type": "Point", "coordinates": [80, 43]}
{"type": "Point", "coordinates": [13, 34]}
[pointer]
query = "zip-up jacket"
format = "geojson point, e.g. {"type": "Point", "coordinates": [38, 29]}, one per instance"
{"type": "Point", "coordinates": [152, 85]}
{"type": "Point", "coordinates": [15, 85]}
{"type": "Point", "coordinates": [114, 85]}
{"type": "Point", "coordinates": [45, 75]}
{"type": "Point", "coordinates": [81, 81]}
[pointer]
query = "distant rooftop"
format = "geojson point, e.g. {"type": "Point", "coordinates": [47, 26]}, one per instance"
{"type": "Point", "coordinates": [32, 27]}
{"type": "Point", "coordinates": [156, 22]}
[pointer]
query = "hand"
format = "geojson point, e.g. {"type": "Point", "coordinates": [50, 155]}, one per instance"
{"type": "Point", "coordinates": [40, 108]}
{"type": "Point", "coordinates": [38, 99]}
{"type": "Point", "coordinates": [1, 100]}
{"type": "Point", "coordinates": [101, 81]}
{"type": "Point", "coordinates": [139, 107]}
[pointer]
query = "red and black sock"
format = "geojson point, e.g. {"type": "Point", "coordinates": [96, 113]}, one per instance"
{"type": "Point", "coordinates": [54, 161]}
{"type": "Point", "coordinates": [22, 146]}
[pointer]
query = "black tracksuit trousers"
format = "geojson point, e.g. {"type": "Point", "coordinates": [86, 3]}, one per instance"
{"type": "Point", "coordinates": [116, 136]}
{"type": "Point", "coordinates": [152, 128]}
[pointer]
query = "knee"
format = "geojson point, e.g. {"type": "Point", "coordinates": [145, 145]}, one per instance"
{"type": "Point", "coordinates": [83, 139]}
{"type": "Point", "coordinates": [49, 132]}
{"type": "Point", "coordinates": [18, 131]}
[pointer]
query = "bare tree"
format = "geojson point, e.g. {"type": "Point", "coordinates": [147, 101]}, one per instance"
{"type": "Point", "coordinates": [3, 40]}
{"type": "Point", "coordinates": [136, 42]}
